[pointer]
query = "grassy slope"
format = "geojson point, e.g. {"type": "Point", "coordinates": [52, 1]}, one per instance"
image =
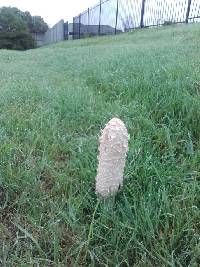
{"type": "Point", "coordinates": [54, 101]}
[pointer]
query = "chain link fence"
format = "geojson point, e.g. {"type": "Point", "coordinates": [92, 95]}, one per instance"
{"type": "Point", "coordinates": [115, 16]}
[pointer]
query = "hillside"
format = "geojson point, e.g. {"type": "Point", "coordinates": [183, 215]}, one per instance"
{"type": "Point", "coordinates": [54, 102]}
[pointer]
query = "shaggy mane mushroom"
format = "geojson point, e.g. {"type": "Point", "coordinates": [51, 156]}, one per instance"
{"type": "Point", "coordinates": [112, 156]}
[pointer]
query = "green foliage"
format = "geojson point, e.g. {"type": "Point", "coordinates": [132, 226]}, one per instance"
{"type": "Point", "coordinates": [16, 41]}
{"type": "Point", "coordinates": [168, 22]}
{"type": "Point", "coordinates": [38, 25]}
{"type": "Point", "coordinates": [54, 102]}
{"type": "Point", "coordinates": [11, 21]}
{"type": "Point", "coordinates": [16, 28]}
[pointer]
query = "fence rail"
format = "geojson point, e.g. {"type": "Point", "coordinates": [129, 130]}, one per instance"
{"type": "Point", "coordinates": [115, 16]}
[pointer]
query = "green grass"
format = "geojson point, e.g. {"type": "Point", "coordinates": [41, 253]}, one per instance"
{"type": "Point", "coordinates": [54, 102]}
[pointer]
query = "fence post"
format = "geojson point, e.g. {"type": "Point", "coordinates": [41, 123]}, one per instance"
{"type": "Point", "coordinates": [188, 10]}
{"type": "Point", "coordinates": [88, 20]}
{"type": "Point", "coordinates": [73, 30]}
{"type": "Point", "coordinates": [66, 31]}
{"type": "Point", "coordinates": [117, 11]}
{"type": "Point", "coordinates": [79, 27]}
{"type": "Point", "coordinates": [142, 14]}
{"type": "Point", "coordinates": [63, 30]}
{"type": "Point", "coordinates": [99, 18]}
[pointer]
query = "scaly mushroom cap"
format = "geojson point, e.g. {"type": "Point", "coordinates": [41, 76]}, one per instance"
{"type": "Point", "coordinates": [112, 156]}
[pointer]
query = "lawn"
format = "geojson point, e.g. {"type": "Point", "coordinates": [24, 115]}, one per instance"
{"type": "Point", "coordinates": [54, 102]}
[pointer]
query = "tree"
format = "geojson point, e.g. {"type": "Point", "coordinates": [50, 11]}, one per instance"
{"type": "Point", "coordinates": [37, 25]}
{"type": "Point", "coordinates": [11, 22]}
{"type": "Point", "coordinates": [16, 28]}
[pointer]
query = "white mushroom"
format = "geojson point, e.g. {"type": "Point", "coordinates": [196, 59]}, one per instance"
{"type": "Point", "coordinates": [112, 156]}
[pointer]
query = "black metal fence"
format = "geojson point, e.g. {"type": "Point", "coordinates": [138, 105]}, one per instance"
{"type": "Point", "coordinates": [66, 30]}
{"type": "Point", "coordinates": [115, 16]}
